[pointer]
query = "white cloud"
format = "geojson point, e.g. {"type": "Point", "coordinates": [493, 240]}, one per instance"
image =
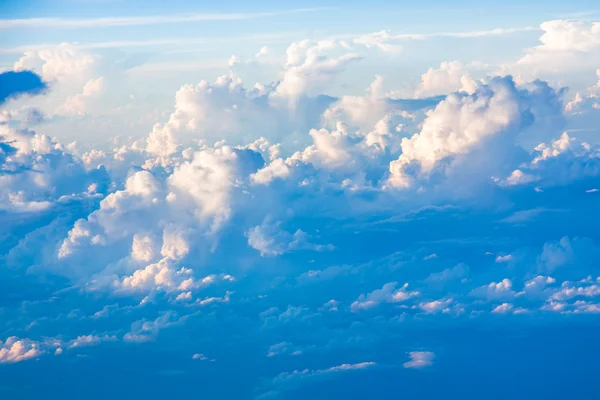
{"type": "Point", "coordinates": [330, 148]}
{"type": "Point", "coordinates": [284, 348]}
{"type": "Point", "coordinates": [13, 350]}
{"type": "Point", "coordinates": [79, 103]}
{"type": "Point", "coordinates": [565, 45]}
{"type": "Point", "coordinates": [89, 340]}
{"type": "Point", "coordinates": [495, 290]}
{"type": "Point", "coordinates": [276, 169]}
{"type": "Point", "coordinates": [492, 118]}
{"type": "Point", "coordinates": [161, 275]}
{"type": "Point", "coordinates": [144, 248]}
{"type": "Point", "coordinates": [538, 287]}
{"type": "Point", "coordinates": [287, 380]}
{"type": "Point", "coordinates": [75, 23]}
{"type": "Point", "coordinates": [572, 290]}
{"type": "Point", "coordinates": [518, 177]}
{"type": "Point", "coordinates": [270, 240]}
{"type": "Point", "coordinates": [309, 69]}
{"type": "Point", "coordinates": [36, 172]}
{"type": "Point", "coordinates": [387, 294]}
{"type": "Point", "coordinates": [420, 359]}
{"type": "Point", "coordinates": [451, 76]}
{"type": "Point", "coordinates": [221, 110]}
{"type": "Point", "coordinates": [436, 306]}
{"type": "Point", "coordinates": [503, 308]}
{"type": "Point", "coordinates": [504, 258]}
{"type": "Point", "coordinates": [175, 246]}
{"type": "Point", "coordinates": [64, 62]}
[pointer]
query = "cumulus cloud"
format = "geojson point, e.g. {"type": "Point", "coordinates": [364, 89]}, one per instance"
{"type": "Point", "coordinates": [146, 230]}
{"type": "Point", "coordinates": [79, 103]}
{"type": "Point", "coordinates": [492, 117]}
{"type": "Point", "coordinates": [451, 76]}
{"type": "Point", "coordinates": [495, 290]}
{"type": "Point", "coordinates": [563, 42]}
{"type": "Point", "coordinates": [37, 172]}
{"type": "Point", "coordinates": [63, 62]}
{"type": "Point", "coordinates": [13, 350]}
{"type": "Point", "coordinates": [309, 68]}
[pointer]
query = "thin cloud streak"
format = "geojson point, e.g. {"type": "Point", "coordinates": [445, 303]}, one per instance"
{"type": "Point", "coordinates": [267, 38]}
{"type": "Point", "coordinates": [67, 23]}
{"type": "Point", "coordinates": [271, 38]}
{"type": "Point", "coordinates": [459, 35]}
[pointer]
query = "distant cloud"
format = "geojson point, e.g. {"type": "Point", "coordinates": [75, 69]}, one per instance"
{"type": "Point", "coordinates": [420, 359]}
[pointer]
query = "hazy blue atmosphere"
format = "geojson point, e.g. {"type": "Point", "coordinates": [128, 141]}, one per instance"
{"type": "Point", "coordinates": [267, 200]}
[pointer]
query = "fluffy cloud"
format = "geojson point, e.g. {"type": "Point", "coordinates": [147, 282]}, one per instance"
{"type": "Point", "coordinates": [563, 43]}
{"type": "Point", "coordinates": [491, 118]}
{"type": "Point", "coordinates": [60, 63]}
{"type": "Point", "coordinates": [451, 76]}
{"type": "Point", "coordinates": [308, 70]}
{"type": "Point", "coordinates": [153, 238]}
{"type": "Point", "coordinates": [14, 350]}
{"type": "Point", "coordinates": [79, 103]}
{"type": "Point", "coordinates": [495, 290]}
{"type": "Point", "coordinates": [37, 173]}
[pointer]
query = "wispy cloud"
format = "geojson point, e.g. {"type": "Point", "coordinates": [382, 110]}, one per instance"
{"type": "Point", "coordinates": [72, 23]}
{"type": "Point", "coordinates": [161, 68]}
{"type": "Point", "coordinates": [265, 38]}
{"type": "Point", "coordinates": [467, 34]}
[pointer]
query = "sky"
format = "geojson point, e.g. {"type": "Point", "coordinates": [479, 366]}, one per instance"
{"type": "Point", "coordinates": [258, 200]}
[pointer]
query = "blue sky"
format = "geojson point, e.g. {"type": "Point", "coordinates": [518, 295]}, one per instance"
{"type": "Point", "coordinates": [242, 200]}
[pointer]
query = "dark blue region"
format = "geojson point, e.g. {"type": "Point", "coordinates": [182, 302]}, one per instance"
{"type": "Point", "coordinates": [13, 84]}
{"type": "Point", "coordinates": [472, 363]}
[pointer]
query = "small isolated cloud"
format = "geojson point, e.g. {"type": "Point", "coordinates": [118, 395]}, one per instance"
{"type": "Point", "coordinates": [504, 258]}
{"type": "Point", "coordinates": [419, 359]}
{"type": "Point", "coordinates": [503, 308]}
{"type": "Point", "coordinates": [201, 357]}
{"type": "Point", "coordinates": [499, 290]}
